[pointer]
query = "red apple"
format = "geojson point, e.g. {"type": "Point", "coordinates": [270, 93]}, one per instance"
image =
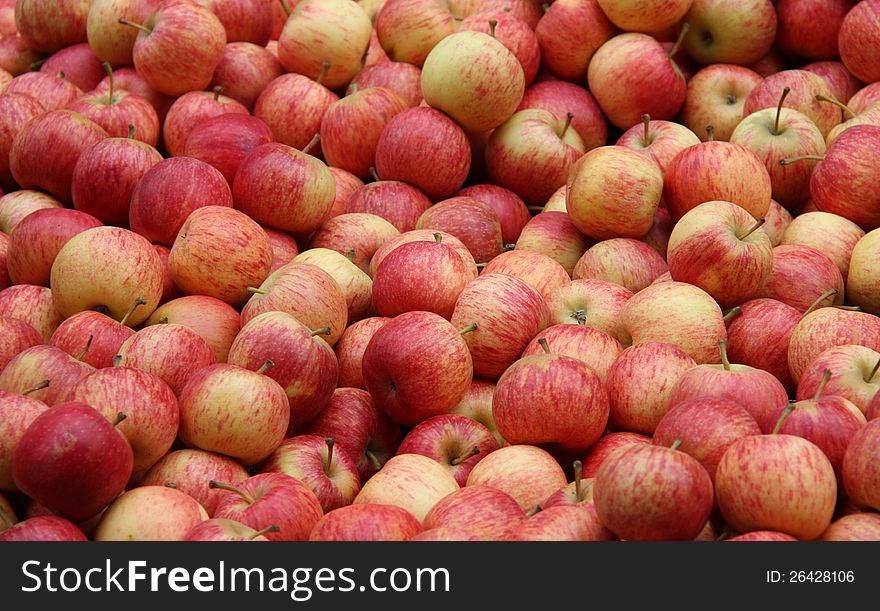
{"type": "Point", "coordinates": [595, 348]}
{"type": "Point", "coordinates": [852, 375]}
{"type": "Point", "coordinates": [216, 321]}
{"type": "Point", "coordinates": [120, 112]}
{"type": "Point", "coordinates": [130, 79]}
{"type": "Point", "coordinates": [18, 204]}
{"type": "Point", "coordinates": [857, 527]}
{"type": "Point", "coordinates": [833, 235]}
{"type": "Point", "coordinates": [225, 141]}
{"type": "Point", "coordinates": [110, 40]}
{"type": "Point", "coordinates": [357, 235]}
{"type": "Point", "coordinates": [47, 27]}
{"type": "Point", "coordinates": [801, 275]}
{"type": "Point", "coordinates": [366, 522]}
{"type": "Point", "coordinates": [221, 529]}
{"type": "Point", "coordinates": [843, 84]}
{"type": "Point", "coordinates": [44, 528]}
{"type": "Point", "coordinates": [395, 201]}
{"type": "Point", "coordinates": [191, 109]}
{"type": "Point", "coordinates": [16, 110]}
{"type": "Point", "coordinates": [626, 262]}
{"type": "Point", "coordinates": [102, 335]}
{"type": "Point", "coordinates": [15, 336]}
{"type": "Point", "coordinates": [18, 412]}
{"type": "Point", "coordinates": [857, 41]}
{"type": "Point", "coordinates": [600, 452]}
{"type": "Point", "coordinates": [350, 350]}
{"type": "Point", "coordinates": [474, 223]}
{"type": "Point", "coordinates": [806, 90]}
{"type": "Point", "coordinates": [32, 305]}
{"type": "Point", "coordinates": [402, 78]}
{"type": "Point", "coordinates": [730, 31]}
{"type": "Point", "coordinates": [511, 31]}
{"type": "Point", "coordinates": [79, 65]}
{"type": "Point", "coordinates": [809, 29]}
{"type": "Point", "coordinates": [512, 212]}
{"type": "Point", "coordinates": [292, 106]}
{"type": "Point", "coordinates": [569, 33]}
{"type": "Point", "coordinates": [860, 473]}
{"type": "Point", "coordinates": [553, 234]}
{"type": "Point", "coordinates": [594, 303]}
{"type": "Point", "coordinates": [244, 20]}
{"type": "Point", "coordinates": [245, 70]}
{"type": "Point", "coordinates": [658, 140]}
{"type": "Point", "coordinates": [715, 96]}
{"type": "Point", "coordinates": [540, 271]}
{"type": "Point", "coordinates": [525, 472]}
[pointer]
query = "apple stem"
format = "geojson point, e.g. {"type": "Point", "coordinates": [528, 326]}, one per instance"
{"type": "Point", "coordinates": [732, 313]}
{"type": "Point", "coordinates": [543, 343]}
{"type": "Point", "coordinates": [284, 7]}
{"type": "Point", "coordinates": [568, 118]}
{"type": "Point", "coordinates": [325, 67]}
{"type": "Point", "coordinates": [109, 70]}
{"type": "Point", "coordinates": [142, 28]}
{"type": "Point", "coordinates": [35, 388]}
{"type": "Point", "coordinates": [873, 372]}
{"type": "Point", "coordinates": [838, 103]}
{"type": "Point", "coordinates": [354, 86]}
{"type": "Point", "coordinates": [350, 255]}
{"type": "Point", "coordinates": [492, 24]}
{"type": "Point", "coordinates": [86, 349]}
{"type": "Point", "coordinates": [675, 445]}
{"type": "Point", "coordinates": [468, 329]}
{"type": "Point", "coordinates": [785, 413]}
{"type": "Point", "coordinates": [784, 95]}
{"type": "Point", "coordinates": [754, 228]}
{"type": "Point", "coordinates": [330, 443]}
{"type": "Point", "coordinates": [826, 377]}
{"type": "Point", "coordinates": [438, 237]}
{"type": "Point", "coordinates": [322, 331]}
{"type": "Point", "coordinates": [137, 302]}
{"type": "Point", "coordinates": [710, 133]}
{"type": "Point", "coordinates": [312, 143]}
{"type": "Point", "coordinates": [848, 308]}
{"type": "Point", "coordinates": [685, 27]}
{"type": "Point", "coordinates": [545, 6]}
{"type": "Point", "coordinates": [533, 511]}
{"type": "Point", "coordinates": [481, 265]}
{"type": "Point", "coordinates": [646, 119]}
{"type": "Point", "coordinates": [374, 174]}
{"type": "Point", "coordinates": [252, 289]}
{"type": "Point", "coordinates": [218, 91]}
{"type": "Point", "coordinates": [248, 498]}
{"type": "Point", "coordinates": [119, 418]}
{"type": "Point", "coordinates": [131, 131]}
{"type": "Point", "coordinates": [822, 297]}
{"type": "Point", "coordinates": [792, 160]}
{"type": "Point", "coordinates": [269, 364]}
{"type": "Point", "coordinates": [578, 474]}
{"type": "Point", "coordinates": [374, 461]}
{"type": "Point", "coordinates": [460, 459]}
{"type": "Point", "coordinates": [580, 316]}
{"type": "Point", "coordinates": [722, 348]}
{"type": "Point", "coordinates": [535, 208]}
{"type": "Point", "coordinates": [37, 64]}
{"type": "Point", "coordinates": [272, 528]}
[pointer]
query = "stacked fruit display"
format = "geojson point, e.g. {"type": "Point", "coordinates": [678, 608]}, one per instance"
{"type": "Point", "coordinates": [439, 270]}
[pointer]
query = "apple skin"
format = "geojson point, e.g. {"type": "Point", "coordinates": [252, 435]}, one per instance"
{"type": "Point", "coordinates": [83, 478]}
{"type": "Point", "coordinates": [559, 98]}
{"type": "Point", "coordinates": [553, 234]}
{"type": "Point", "coordinates": [511, 31]}
{"type": "Point", "coordinates": [110, 40]}
{"type": "Point", "coordinates": [625, 69]}
{"type": "Point", "coordinates": [606, 446]}
{"type": "Point", "coordinates": [801, 275]}
{"type": "Point", "coordinates": [804, 86]}
{"type": "Point", "coordinates": [866, 97]}
{"type": "Point", "coordinates": [304, 364]}
{"type": "Point", "coordinates": [244, 72]}
{"type": "Point", "coordinates": [15, 336]}
{"type": "Point", "coordinates": [560, 523]}
{"type": "Point", "coordinates": [366, 522]}
{"type": "Point", "coordinates": [716, 171]}
{"type": "Point", "coordinates": [245, 20]}
{"type": "Point", "coordinates": [716, 247]}
{"type": "Point", "coordinates": [226, 140]}
{"type": "Point", "coordinates": [190, 471]}
{"type": "Point", "coordinates": [730, 31]}
{"type": "Point", "coordinates": [776, 482]}
{"type": "Point", "coordinates": [763, 535]}
{"type": "Point", "coordinates": [18, 412]}
{"type": "Point", "coordinates": [511, 210]}
{"type": "Point", "coordinates": [843, 84]}
{"type": "Point", "coordinates": [395, 201]}
{"type": "Point", "coordinates": [861, 273]}
{"type": "Point", "coordinates": [826, 327]}
{"type": "Point", "coordinates": [508, 314]}
{"type": "Point", "coordinates": [116, 110]}
{"type": "Point", "coordinates": [569, 34]}
{"type": "Point", "coordinates": [474, 223]}
{"type": "Point", "coordinates": [483, 511]}
{"type": "Point", "coordinates": [851, 377]}
{"type": "Point", "coordinates": [346, 184]}
{"type": "Point", "coordinates": [595, 348]}
{"type": "Point", "coordinates": [102, 334]}
{"type": "Point", "coordinates": [216, 321]}
{"type": "Point", "coordinates": [48, 27]}
{"type": "Point", "coordinates": [663, 141]}
{"type": "Point", "coordinates": [809, 29]}
{"type": "Point", "coordinates": [631, 180]}
{"type": "Point", "coordinates": [409, 29]}
{"type": "Point", "coordinates": [34, 163]}
{"type": "Point", "coordinates": [594, 303]}
{"type": "Point", "coordinates": [857, 41]}
{"type": "Point", "coordinates": [626, 262]}
{"type": "Point", "coordinates": [189, 110]}
{"type": "Point", "coordinates": [350, 350]}
{"type": "Point", "coordinates": [525, 472]}
{"type": "Point", "coordinates": [130, 79]}
{"type": "Point", "coordinates": [354, 284]}
{"type": "Point", "coordinates": [33, 305]}
{"type": "Point", "coordinates": [16, 205]}
{"type": "Point", "coordinates": [356, 231]}
{"type": "Point", "coordinates": [652, 493]}
{"type": "Point", "coordinates": [445, 533]}
{"type": "Point", "coordinates": [541, 272]}
{"type": "Point", "coordinates": [402, 78]}
{"type": "Point", "coordinates": [869, 117]}
{"type": "Point", "coordinates": [857, 527]}
{"type": "Point", "coordinates": [860, 472]}
{"type": "Point", "coordinates": [43, 528]}
{"type": "Point", "coordinates": [221, 529]}
{"type": "Point", "coordinates": [150, 513]}
{"type": "Point", "coordinates": [706, 426]}
{"type": "Point", "coordinates": [16, 110]}
{"type": "Point", "coordinates": [421, 235]}
{"type": "Point", "coordinates": [37, 239]}
{"type": "Point", "coordinates": [778, 219]}
{"type": "Point", "coordinates": [293, 105]}
{"type": "Point", "coordinates": [715, 96]}
{"type": "Point", "coordinates": [832, 235]}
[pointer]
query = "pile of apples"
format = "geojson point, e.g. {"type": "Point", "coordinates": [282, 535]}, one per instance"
{"type": "Point", "coordinates": [439, 270]}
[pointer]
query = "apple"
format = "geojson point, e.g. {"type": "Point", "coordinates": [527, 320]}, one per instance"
{"type": "Point", "coordinates": [225, 141]}
{"type": "Point", "coordinates": [857, 527]}
{"type": "Point", "coordinates": [841, 81]}
{"type": "Point", "coordinates": [357, 235]}
{"type": "Point", "coordinates": [801, 275]}
{"type": "Point", "coordinates": [716, 96]}
{"type": "Point", "coordinates": [216, 321]}
{"type": "Point", "coordinates": [540, 271]}
{"type": "Point", "coordinates": [15, 55]}
{"type": "Point", "coordinates": [869, 117]}
{"type": "Point", "coordinates": [18, 411]}
{"type": "Point", "coordinates": [422, 235]}
{"type": "Point", "coordinates": [777, 221]}
{"type": "Point", "coordinates": [402, 78]}
{"type": "Point", "coordinates": [866, 97]}
{"type": "Point", "coordinates": [409, 29]}
{"type": "Point", "coordinates": [525, 472]}
{"type": "Point", "coordinates": [16, 110]}
{"type": "Point", "coordinates": [94, 335]}
{"type": "Point", "coordinates": [79, 65]}
{"type": "Point", "coordinates": [833, 235]}
{"type": "Point", "coordinates": [474, 223]}
{"type": "Point", "coordinates": [511, 31]}
{"type": "Point", "coordinates": [221, 529]}
{"type": "Point", "coordinates": [511, 210]}
{"type": "Point", "coordinates": [763, 535]}
{"type": "Point", "coordinates": [606, 446]}
{"type": "Point", "coordinates": [15, 336]}
{"type": "Point", "coordinates": [853, 370]}
{"type": "Point", "coordinates": [627, 262]}
{"type": "Point", "coordinates": [560, 98]}
{"type": "Point", "coordinates": [130, 79]}
{"type": "Point", "coordinates": [350, 350]}
{"type": "Point", "coordinates": [569, 33]}
{"type": "Point", "coordinates": [354, 284]}
{"type": "Point", "coordinates": [120, 112]}
{"type": "Point", "coordinates": [857, 41]}
{"type": "Point", "coordinates": [346, 184]}
{"type": "Point", "coordinates": [191, 109]}
{"type": "Point", "coordinates": [808, 94]}
{"type": "Point", "coordinates": [553, 234]}
{"type": "Point", "coordinates": [730, 31]}
{"type": "Point", "coordinates": [809, 29]}
{"type": "Point", "coordinates": [594, 303]}
{"type": "Point", "coordinates": [658, 140]}
{"type": "Point", "coordinates": [43, 528]}
{"type": "Point", "coordinates": [53, 90]}
{"type": "Point", "coordinates": [33, 305]}
{"type": "Point", "coordinates": [483, 511]}
{"type": "Point", "coordinates": [150, 513]}
{"type": "Point", "coordinates": [366, 522]}
{"type": "Point", "coordinates": [293, 105]}
{"type": "Point", "coordinates": [445, 533]}
{"type": "Point", "coordinates": [477, 405]}
{"type": "Point", "coordinates": [48, 27]}
{"type": "Point", "coordinates": [17, 205]}
{"type": "Point", "coordinates": [395, 201]}
{"type": "Point", "coordinates": [559, 523]}
{"type": "Point", "coordinates": [245, 70]}
{"type": "Point", "coordinates": [595, 348]}
{"type": "Point", "coordinates": [110, 40]}
{"type": "Point", "coordinates": [860, 473]}
{"type": "Point", "coordinates": [244, 20]}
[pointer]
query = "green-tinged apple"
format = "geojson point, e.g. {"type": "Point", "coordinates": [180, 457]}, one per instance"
{"type": "Point", "coordinates": [862, 275]}
{"type": "Point", "coordinates": [594, 303]}
{"type": "Point", "coordinates": [730, 31]}
{"type": "Point", "coordinates": [716, 96]}
{"type": "Point", "coordinates": [553, 234]}
{"type": "Point", "coordinates": [354, 284]}
{"type": "Point", "coordinates": [477, 405]}
{"type": "Point", "coordinates": [525, 472]}
{"type": "Point", "coordinates": [150, 513]}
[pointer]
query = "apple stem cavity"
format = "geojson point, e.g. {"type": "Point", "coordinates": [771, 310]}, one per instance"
{"type": "Point", "coordinates": [578, 486]}
{"type": "Point", "coordinates": [785, 413]}
{"type": "Point", "coordinates": [873, 372]}
{"type": "Point", "coordinates": [137, 302]}
{"type": "Point", "coordinates": [119, 418]}
{"type": "Point", "coordinates": [142, 28]}
{"type": "Point", "coordinates": [822, 297]}
{"type": "Point", "coordinates": [568, 118]}
{"type": "Point", "coordinates": [646, 120]}
{"type": "Point", "coordinates": [732, 313]}
{"type": "Point", "coordinates": [325, 68]}
{"type": "Point", "coordinates": [307, 149]}
{"type": "Point", "coordinates": [838, 103]}
{"type": "Point", "coordinates": [791, 160]}
{"type": "Point", "coordinates": [218, 91]}
{"type": "Point", "coordinates": [284, 7]}
{"type": "Point", "coordinates": [373, 460]}
{"type": "Point", "coordinates": [374, 174]}
{"type": "Point", "coordinates": [544, 345]}
{"type": "Point", "coordinates": [460, 459]}
{"type": "Point", "coordinates": [675, 445]}
{"type": "Point", "coordinates": [580, 316]}
{"type": "Point", "coordinates": [722, 348]}
{"type": "Point", "coordinates": [247, 498]}
{"type": "Point", "coordinates": [272, 528]}
{"type": "Point", "coordinates": [545, 7]}
{"type": "Point", "coordinates": [258, 291]}
{"type": "Point", "coordinates": [321, 331]}
{"type": "Point", "coordinates": [36, 387]}
{"type": "Point", "coordinates": [492, 24]}
{"type": "Point", "coordinates": [269, 364]}
{"type": "Point", "coordinates": [468, 329]}
{"type": "Point", "coordinates": [85, 351]}
{"type": "Point", "coordinates": [533, 511]}
{"type": "Point", "coordinates": [784, 95]}
{"type": "Point", "coordinates": [685, 28]}
{"type": "Point", "coordinates": [754, 228]}
{"type": "Point", "coordinates": [330, 443]}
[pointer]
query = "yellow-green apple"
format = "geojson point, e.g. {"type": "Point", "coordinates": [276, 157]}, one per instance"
{"type": "Point", "coordinates": [675, 313]}
{"type": "Point", "coordinates": [706, 426]}
{"type": "Point", "coordinates": [858, 41]}
{"type": "Point", "coordinates": [835, 236]}
{"type": "Point", "coordinates": [397, 202]}
{"type": "Point", "coordinates": [190, 471]}
{"type": "Point", "coordinates": [561, 98]}
{"type": "Point", "coordinates": [715, 96]}
{"type": "Point", "coordinates": [525, 472]}
{"type": "Point", "coordinates": [15, 336]}
{"type": "Point", "coordinates": [550, 398]}
{"type": "Point", "coordinates": [776, 482]}
{"type": "Point", "coordinates": [351, 127]}
{"type": "Point", "coordinates": [37, 239]}
{"type": "Point", "coordinates": [511, 31]}
{"type": "Point", "coordinates": [110, 40]}
{"type": "Point", "coordinates": [632, 16]}
{"type": "Point", "coordinates": [632, 75]}
{"type": "Point", "coordinates": [17, 205]}
{"type": "Point", "coordinates": [318, 31]}
{"type": "Point", "coordinates": [594, 303]}
{"type": "Point", "coordinates": [410, 481]}
{"type": "Point", "coordinates": [253, 408]}
{"type": "Point", "coordinates": [553, 234]}
{"type": "Point", "coordinates": [758, 335]}
{"type": "Point", "coordinates": [33, 305]}
{"type": "Point", "coordinates": [595, 348]}
{"type": "Point", "coordinates": [284, 247]}
{"type": "Point", "coordinates": [310, 458]}
{"type": "Point", "coordinates": [306, 292]}
{"type": "Point", "coordinates": [507, 313]}
{"type": "Point", "coordinates": [18, 412]}
{"type": "Point", "coordinates": [853, 375]}
{"type": "Point", "coordinates": [355, 424]}
{"type": "Point", "coordinates": [350, 350]}
{"type": "Point", "coordinates": [47, 26]}
{"type": "Point", "coordinates": [15, 55]}
{"type": "Point", "coordinates": [658, 140]}
{"type": "Point", "coordinates": [477, 405]}
{"type": "Point", "coordinates": [532, 153]}
{"type": "Point", "coordinates": [801, 275]}
{"type": "Point", "coordinates": [244, 71]}
{"type": "Point", "coordinates": [220, 252]}
{"type": "Point", "coordinates": [366, 522]}
{"type": "Point", "coordinates": [860, 473]}
{"type": "Point", "coordinates": [809, 29]}
{"type": "Point", "coordinates": [411, 391]}
{"type": "Point", "coordinates": [44, 528]}
{"type": "Point", "coordinates": [422, 235]}
{"type": "Point", "coordinates": [776, 222]}
{"type": "Point", "coordinates": [806, 93]}
{"type": "Point", "coordinates": [16, 110]}
{"type": "Point", "coordinates": [653, 493]}
{"type": "Point", "coordinates": [149, 405]}
{"type": "Point", "coordinates": [222, 529]}
{"type": "Point", "coordinates": [864, 98]}
{"type": "Point", "coordinates": [189, 110]}
{"type": "Point", "coordinates": [540, 271]}
{"type": "Point", "coordinates": [863, 526]}
{"type": "Point", "coordinates": [639, 384]}
{"type": "Point", "coordinates": [455, 442]}
{"type": "Point", "coordinates": [44, 153]}
{"type": "Point", "coordinates": [150, 513]}
{"type": "Point", "coordinates": [569, 33]}
{"type": "Point", "coordinates": [631, 180]}
{"type": "Point", "coordinates": [293, 105]}
{"type": "Point", "coordinates": [121, 113]}
{"type": "Point", "coordinates": [93, 337]}
{"type": "Point", "coordinates": [52, 91]}
{"type": "Point", "coordinates": [400, 77]}
{"type": "Point", "coordinates": [178, 47]}
{"type": "Point", "coordinates": [719, 248]}
{"type": "Point", "coordinates": [244, 20]}
{"type": "Point", "coordinates": [716, 171]}
{"type": "Point", "coordinates": [474, 223]}
{"type": "Point", "coordinates": [624, 261]}
{"type": "Point", "coordinates": [216, 321]}
{"type": "Point", "coordinates": [127, 160]}
{"type": "Point", "coordinates": [226, 140]}
{"type": "Point", "coordinates": [169, 192]}
{"type": "Point", "coordinates": [862, 275]}
{"type": "Point", "coordinates": [483, 511]}
{"type": "Point", "coordinates": [354, 284]}
{"type": "Point", "coordinates": [72, 460]}
{"type": "Point", "coordinates": [358, 235]}
{"type": "Point", "coordinates": [130, 79]}
{"type": "Point", "coordinates": [107, 269]}
{"type": "Point", "coordinates": [606, 446]}
{"type": "Point", "coordinates": [843, 84]}
{"type": "Point", "coordinates": [730, 31]}
{"type": "Point", "coordinates": [409, 29]}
